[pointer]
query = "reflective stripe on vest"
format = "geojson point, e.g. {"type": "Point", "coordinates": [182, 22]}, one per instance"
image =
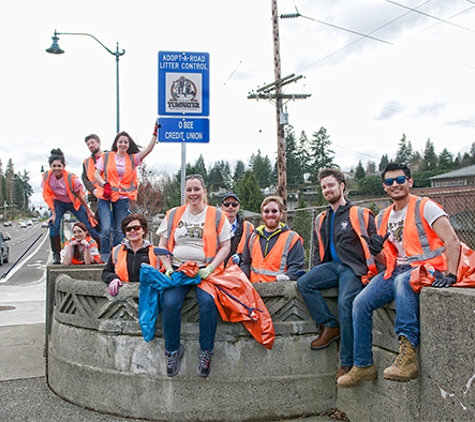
{"type": "Point", "coordinates": [119, 258]}
{"type": "Point", "coordinates": [210, 242]}
{"type": "Point", "coordinates": [289, 238]}
{"type": "Point", "coordinates": [247, 229]}
{"type": "Point", "coordinates": [48, 193]}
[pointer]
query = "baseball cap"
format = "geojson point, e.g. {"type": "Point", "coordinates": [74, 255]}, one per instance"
{"type": "Point", "coordinates": [230, 195]}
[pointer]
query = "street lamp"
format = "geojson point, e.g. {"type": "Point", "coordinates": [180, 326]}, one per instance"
{"type": "Point", "coordinates": [55, 49]}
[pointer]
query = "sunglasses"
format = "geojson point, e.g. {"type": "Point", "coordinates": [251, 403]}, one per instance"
{"type": "Point", "coordinates": [194, 176]}
{"type": "Point", "coordinates": [399, 180]}
{"type": "Point", "coordinates": [273, 211]}
{"type": "Point", "coordinates": [128, 229]}
{"type": "Point", "coordinates": [230, 204]}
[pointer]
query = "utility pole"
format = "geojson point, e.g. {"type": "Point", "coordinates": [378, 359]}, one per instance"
{"type": "Point", "coordinates": [273, 91]}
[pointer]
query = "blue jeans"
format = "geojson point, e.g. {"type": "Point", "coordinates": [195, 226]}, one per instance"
{"type": "Point", "coordinates": [111, 215]}
{"type": "Point", "coordinates": [173, 299]}
{"type": "Point", "coordinates": [60, 208]}
{"type": "Point", "coordinates": [376, 294]}
{"type": "Point", "coordinates": [324, 276]}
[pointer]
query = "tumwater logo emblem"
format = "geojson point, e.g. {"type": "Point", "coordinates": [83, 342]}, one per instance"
{"type": "Point", "coordinates": [344, 225]}
{"type": "Point", "coordinates": [183, 94]}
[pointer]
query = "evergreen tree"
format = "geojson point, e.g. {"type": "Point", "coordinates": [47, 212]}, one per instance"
{"type": "Point", "coordinates": [9, 173]}
{"type": "Point", "coordinates": [295, 174]}
{"type": "Point", "coordinates": [249, 192]}
{"type": "Point", "coordinates": [198, 168]}
{"type": "Point", "coordinates": [472, 152]}
{"type": "Point", "coordinates": [445, 160]}
{"type": "Point", "coordinates": [360, 173]}
{"type": "Point", "coordinates": [239, 171]}
{"type": "Point", "coordinates": [262, 169]}
{"type": "Point", "coordinates": [303, 153]}
{"type": "Point", "coordinates": [404, 152]}
{"type": "Point", "coordinates": [321, 155]}
{"type": "Point", "coordinates": [384, 162]}
{"type": "Point", "coordinates": [371, 167]}
{"type": "Point", "coordinates": [430, 160]}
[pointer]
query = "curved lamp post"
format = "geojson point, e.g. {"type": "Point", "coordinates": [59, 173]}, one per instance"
{"type": "Point", "coordinates": [55, 49]}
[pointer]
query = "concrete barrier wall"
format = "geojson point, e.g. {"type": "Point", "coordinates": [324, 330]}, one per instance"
{"type": "Point", "coordinates": [97, 358]}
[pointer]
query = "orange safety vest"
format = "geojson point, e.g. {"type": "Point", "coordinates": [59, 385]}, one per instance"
{"type": "Point", "coordinates": [119, 258]}
{"type": "Point", "coordinates": [128, 185]}
{"type": "Point", "coordinates": [92, 243]}
{"type": "Point", "coordinates": [213, 224]}
{"type": "Point", "coordinates": [247, 229]}
{"type": "Point", "coordinates": [89, 166]}
{"type": "Point", "coordinates": [266, 269]}
{"type": "Point", "coordinates": [49, 195]}
{"type": "Point", "coordinates": [421, 243]}
{"type": "Point", "coordinates": [359, 218]}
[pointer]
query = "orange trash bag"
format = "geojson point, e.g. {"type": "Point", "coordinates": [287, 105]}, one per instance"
{"type": "Point", "coordinates": [238, 301]}
{"type": "Point", "coordinates": [189, 268]}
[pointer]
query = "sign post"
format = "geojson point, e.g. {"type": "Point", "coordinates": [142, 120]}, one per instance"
{"type": "Point", "coordinates": [183, 92]}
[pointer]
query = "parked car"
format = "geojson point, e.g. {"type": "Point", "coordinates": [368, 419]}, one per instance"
{"type": "Point", "coordinates": [44, 224]}
{"type": "Point", "coordinates": [29, 223]}
{"type": "Point", "coordinates": [7, 224]}
{"type": "Point", "coordinates": [4, 249]}
{"type": "Point", "coordinates": [23, 225]}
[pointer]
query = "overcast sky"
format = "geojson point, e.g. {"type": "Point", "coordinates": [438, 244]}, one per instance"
{"type": "Point", "coordinates": [415, 76]}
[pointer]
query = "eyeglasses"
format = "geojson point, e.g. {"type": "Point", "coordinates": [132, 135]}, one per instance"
{"type": "Point", "coordinates": [273, 211]}
{"type": "Point", "coordinates": [230, 204]}
{"type": "Point", "coordinates": [128, 229]}
{"type": "Point", "coordinates": [399, 180]}
{"type": "Point", "coordinates": [194, 176]}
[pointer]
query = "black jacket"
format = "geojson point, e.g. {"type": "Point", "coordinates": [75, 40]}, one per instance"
{"type": "Point", "coordinates": [347, 242]}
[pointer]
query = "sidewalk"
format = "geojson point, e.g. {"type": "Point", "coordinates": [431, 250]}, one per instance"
{"type": "Point", "coordinates": [24, 395]}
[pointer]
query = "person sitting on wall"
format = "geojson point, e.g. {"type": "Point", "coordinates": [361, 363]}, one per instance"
{"type": "Point", "coordinates": [274, 252]}
{"type": "Point", "coordinates": [241, 228]}
{"type": "Point", "coordinates": [125, 260]}
{"type": "Point", "coordinates": [82, 248]}
{"type": "Point", "coordinates": [420, 233]}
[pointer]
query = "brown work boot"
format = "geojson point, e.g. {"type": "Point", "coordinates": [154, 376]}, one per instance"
{"type": "Point", "coordinates": [405, 367]}
{"type": "Point", "coordinates": [328, 335]}
{"type": "Point", "coordinates": [356, 375]}
{"type": "Point", "coordinates": [342, 371]}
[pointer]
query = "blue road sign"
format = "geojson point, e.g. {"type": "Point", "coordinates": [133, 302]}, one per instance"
{"type": "Point", "coordinates": [183, 130]}
{"type": "Point", "coordinates": [183, 83]}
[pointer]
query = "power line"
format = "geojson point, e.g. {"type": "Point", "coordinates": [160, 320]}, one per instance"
{"type": "Point", "coordinates": [430, 16]}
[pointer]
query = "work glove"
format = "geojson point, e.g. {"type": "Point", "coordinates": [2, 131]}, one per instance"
{"type": "Point", "coordinates": [282, 277]}
{"type": "Point", "coordinates": [107, 191]}
{"type": "Point", "coordinates": [235, 259]}
{"type": "Point", "coordinates": [445, 281]}
{"type": "Point", "coordinates": [155, 128]}
{"type": "Point", "coordinates": [204, 273]}
{"type": "Point", "coordinates": [376, 242]}
{"type": "Point", "coordinates": [169, 273]}
{"type": "Point", "coordinates": [114, 286]}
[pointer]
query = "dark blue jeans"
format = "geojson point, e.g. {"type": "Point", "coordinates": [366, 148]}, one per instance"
{"type": "Point", "coordinates": [173, 299]}
{"type": "Point", "coordinates": [324, 276]}
{"type": "Point", "coordinates": [60, 208]}
{"type": "Point", "coordinates": [376, 294]}
{"type": "Point", "coordinates": [111, 215]}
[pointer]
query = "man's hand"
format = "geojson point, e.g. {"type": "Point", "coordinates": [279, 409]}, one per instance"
{"type": "Point", "coordinates": [445, 281]}
{"type": "Point", "coordinates": [204, 273]}
{"type": "Point", "coordinates": [375, 242]}
{"type": "Point", "coordinates": [235, 259]}
{"type": "Point", "coordinates": [107, 191]}
{"type": "Point", "coordinates": [282, 277]}
{"type": "Point", "coordinates": [114, 286]}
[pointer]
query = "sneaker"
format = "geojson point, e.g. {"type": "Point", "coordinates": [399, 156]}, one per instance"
{"type": "Point", "coordinates": [203, 367]}
{"type": "Point", "coordinates": [328, 336]}
{"type": "Point", "coordinates": [173, 361]}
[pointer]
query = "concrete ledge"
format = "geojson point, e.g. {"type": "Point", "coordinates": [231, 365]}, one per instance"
{"type": "Point", "coordinates": [98, 359]}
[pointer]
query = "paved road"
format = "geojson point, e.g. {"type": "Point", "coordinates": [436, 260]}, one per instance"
{"type": "Point", "coordinates": [24, 394]}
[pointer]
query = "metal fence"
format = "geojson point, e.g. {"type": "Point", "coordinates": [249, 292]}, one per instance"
{"type": "Point", "coordinates": [458, 203]}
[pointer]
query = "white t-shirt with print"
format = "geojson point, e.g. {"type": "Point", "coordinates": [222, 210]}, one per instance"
{"type": "Point", "coordinates": [396, 226]}
{"type": "Point", "coordinates": [189, 236]}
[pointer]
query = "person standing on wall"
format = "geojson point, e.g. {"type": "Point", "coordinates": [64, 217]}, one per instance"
{"type": "Point", "coordinates": [420, 234]}
{"type": "Point", "coordinates": [241, 228]}
{"type": "Point", "coordinates": [116, 174]}
{"type": "Point", "coordinates": [342, 259]}
{"type": "Point", "coordinates": [62, 192]}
